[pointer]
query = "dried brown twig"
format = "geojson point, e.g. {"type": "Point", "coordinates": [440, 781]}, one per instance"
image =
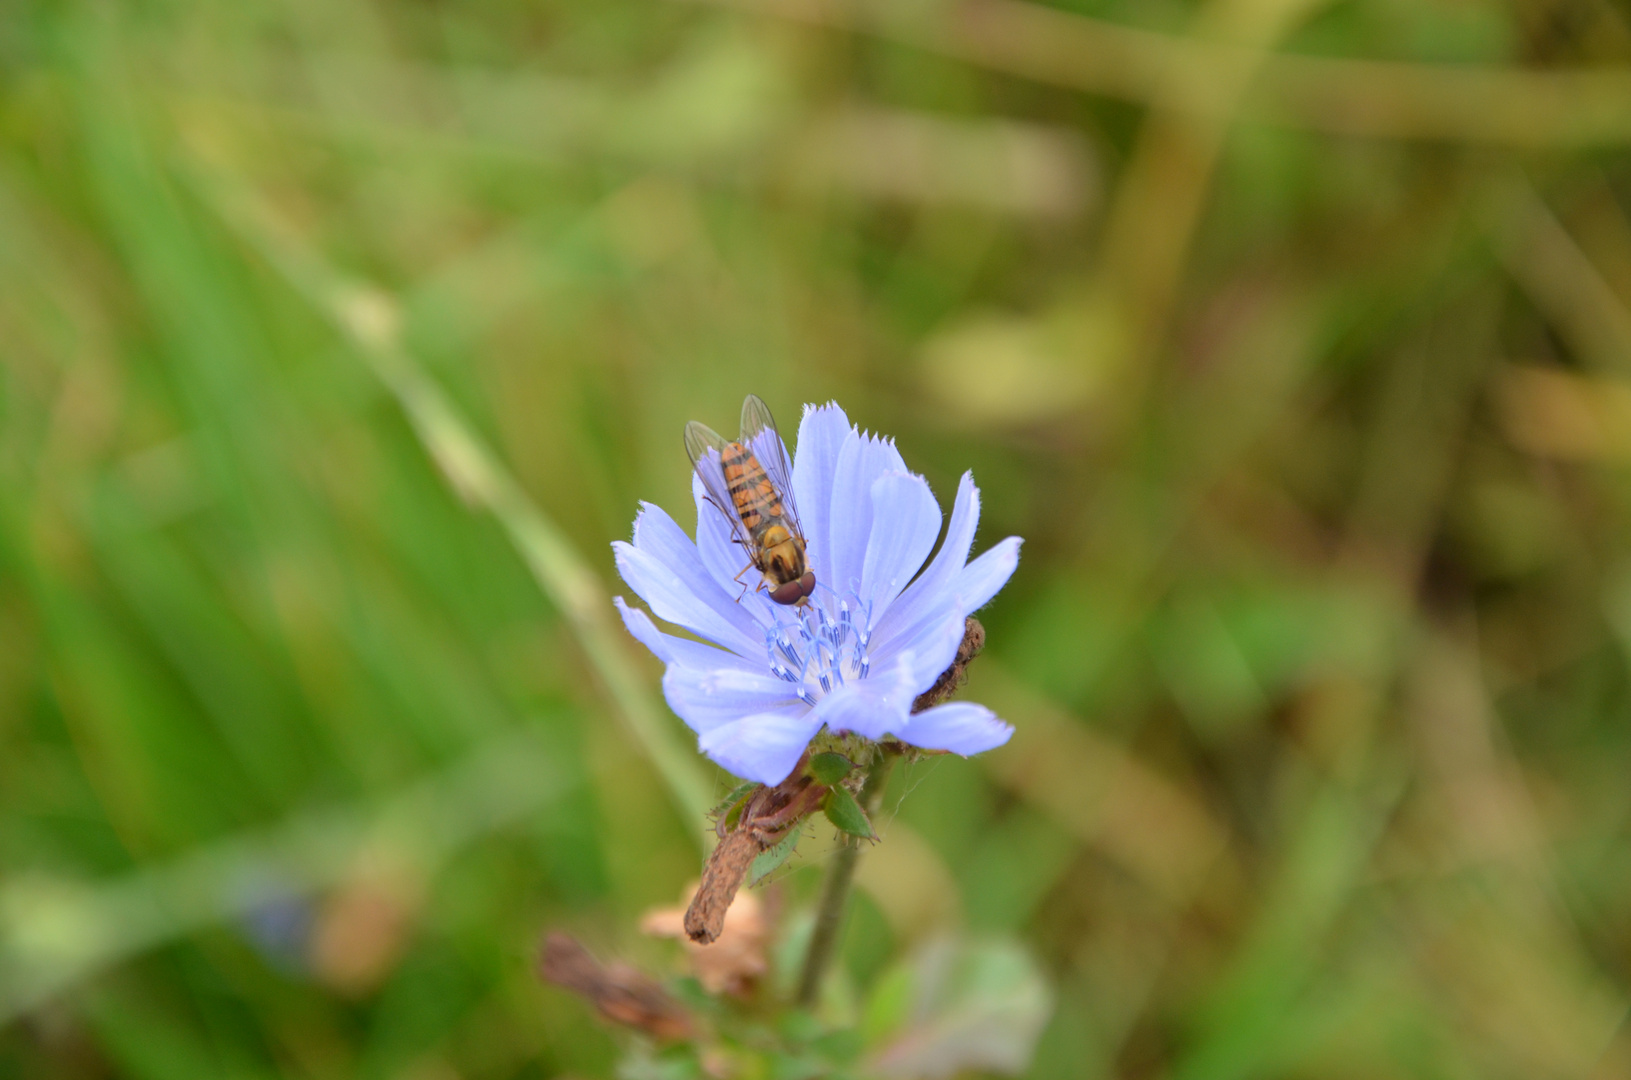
{"type": "Point", "coordinates": [769, 814]}
{"type": "Point", "coordinates": [622, 994]}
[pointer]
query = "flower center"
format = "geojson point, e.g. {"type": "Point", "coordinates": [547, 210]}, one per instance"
{"type": "Point", "coordinates": [818, 650]}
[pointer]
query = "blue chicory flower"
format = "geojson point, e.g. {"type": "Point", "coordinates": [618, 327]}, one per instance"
{"type": "Point", "coordinates": [875, 634]}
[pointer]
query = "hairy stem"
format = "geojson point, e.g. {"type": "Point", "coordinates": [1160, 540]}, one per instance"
{"type": "Point", "coordinates": [835, 890]}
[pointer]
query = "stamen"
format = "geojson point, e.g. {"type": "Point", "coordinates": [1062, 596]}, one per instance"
{"type": "Point", "coordinates": [815, 647]}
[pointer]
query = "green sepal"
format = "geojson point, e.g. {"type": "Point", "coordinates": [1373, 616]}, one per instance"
{"type": "Point", "coordinates": [734, 797]}
{"type": "Point", "coordinates": [829, 768]}
{"type": "Point", "coordinates": [730, 807]}
{"type": "Point", "coordinates": [843, 811]}
{"type": "Point", "coordinates": [770, 859]}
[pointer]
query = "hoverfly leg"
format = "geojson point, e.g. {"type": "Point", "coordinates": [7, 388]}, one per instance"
{"type": "Point", "coordinates": [739, 581]}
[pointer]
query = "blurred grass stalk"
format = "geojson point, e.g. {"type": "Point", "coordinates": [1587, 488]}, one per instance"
{"type": "Point", "coordinates": [1020, 169]}
{"type": "Point", "coordinates": [1384, 99]}
{"type": "Point", "coordinates": [369, 318]}
{"type": "Point", "coordinates": [58, 933]}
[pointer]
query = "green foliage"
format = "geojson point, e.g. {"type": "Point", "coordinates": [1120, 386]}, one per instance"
{"type": "Point", "coordinates": [830, 768]}
{"type": "Point", "coordinates": [846, 814]}
{"type": "Point", "coordinates": [340, 338]}
{"type": "Point", "coordinates": [771, 859]}
{"type": "Point", "coordinates": [729, 809]}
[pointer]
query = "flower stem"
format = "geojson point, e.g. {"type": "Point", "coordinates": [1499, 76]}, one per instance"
{"type": "Point", "coordinates": [835, 890]}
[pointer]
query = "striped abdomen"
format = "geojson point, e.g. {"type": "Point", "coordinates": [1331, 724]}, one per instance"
{"type": "Point", "coordinates": [755, 497]}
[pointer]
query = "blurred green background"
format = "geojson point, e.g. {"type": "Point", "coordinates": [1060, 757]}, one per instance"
{"type": "Point", "coordinates": [341, 337]}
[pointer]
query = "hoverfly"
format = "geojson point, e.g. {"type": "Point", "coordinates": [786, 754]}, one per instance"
{"type": "Point", "coordinates": [751, 483]}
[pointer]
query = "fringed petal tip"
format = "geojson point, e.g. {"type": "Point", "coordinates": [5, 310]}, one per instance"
{"type": "Point", "coordinates": [961, 727]}
{"type": "Point", "coordinates": [983, 578]}
{"type": "Point", "coordinates": [811, 408]}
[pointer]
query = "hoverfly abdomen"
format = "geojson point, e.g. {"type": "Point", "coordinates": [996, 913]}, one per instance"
{"type": "Point", "coordinates": [751, 491]}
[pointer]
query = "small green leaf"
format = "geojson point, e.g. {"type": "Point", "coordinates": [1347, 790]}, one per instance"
{"type": "Point", "coordinates": [767, 861]}
{"type": "Point", "coordinates": [736, 796]}
{"type": "Point", "coordinates": [829, 768]}
{"type": "Point", "coordinates": [729, 809]}
{"type": "Point", "coordinates": [843, 811]}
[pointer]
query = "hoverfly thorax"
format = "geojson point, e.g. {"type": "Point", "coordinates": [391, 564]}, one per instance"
{"type": "Point", "coordinates": [750, 482]}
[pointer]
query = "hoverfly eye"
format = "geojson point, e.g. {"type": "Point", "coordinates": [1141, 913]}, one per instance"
{"type": "Point", "coordinates": [807, 583]}
{"type": "Point", "coordinates": [790, 593]}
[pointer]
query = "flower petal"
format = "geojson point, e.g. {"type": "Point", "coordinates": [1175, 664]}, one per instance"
{"type": "Point", "coordinates": [707, 698]}
{"type": "Point", "coordinates": [934, 648]}
{"type": "Point", "coordinates": [981, 579]}
{"type": "Point", "coordinates": [861, 461]}
{"type": "Point", "coordinates": [815, 461]}
{"type": "Point", "coordinates": [931, 642]}
{"type": "Point", "coordinates": [762, 747]}
{"type": "Point", "coordinates": [905, 523]}
{"type": "Point", "coordinates": [725, 560]}
{"type": "Point", "coordinates": [671, 600]}
{"type": "Point", "coordinates": [669, 575]}
{"type": "Point", "coordinates": [677, 650]}
{"type": "Point", "coordinates": [873, 706]}
{"type": "Point", "coordinates": [961, 727]}
{"type": "Point", "coordinates": [923, 593]}
{"type": "Point", "coordinates": [645, 631]}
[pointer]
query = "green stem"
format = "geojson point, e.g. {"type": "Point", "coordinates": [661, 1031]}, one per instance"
{"type": "Point", "coordinates": [835, 890]}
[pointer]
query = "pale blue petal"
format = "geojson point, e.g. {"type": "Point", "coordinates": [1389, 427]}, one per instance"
{"type": "Point", "coordinates": [677, 650]}
{"type": "Point", "coordinates": [931, 642]}
{"type": "Point", "coordinates": [708, 698]}
{"type": "Point", "coordinates": [762, 747]}
{"type": "Point", "coordinates": [858, 707]}
{"type": "Point", "coordinates": [925, 592]}
{"type": "Point", "coordinates": [815, 461]}
{"type": "Point", "coordinates": [725, 560]}
{"type": "Point", "coordinates": [861, 461]}
{"type": "Point", "coordinates": [645, 631]}
{"type": "Point", "coordinates": [981, 579]}
{"type": "Point", "coordinates": [905, 522]}
{"type": "Point", "coordinates": [874, 705]}
{"type": "Point", "coordinates": [671, 599]}
{"type": "Point", "coordinates": [961, 727]}
{"type": "Point", "coordinates": [675, 570]}
{"type": "Point", "coordinates": [934, 649]}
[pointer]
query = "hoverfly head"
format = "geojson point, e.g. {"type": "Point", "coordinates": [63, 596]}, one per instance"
{"type": "Point", "coordinates": [794, 592]}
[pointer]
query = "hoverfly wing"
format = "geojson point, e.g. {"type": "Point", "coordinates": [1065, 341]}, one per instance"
{"type": "Point", "coordinates": [700, 439]}
{"type": "Point", "coordinates": [759, 434]}
{"type": "Point", "coordinates": [705, 445]}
